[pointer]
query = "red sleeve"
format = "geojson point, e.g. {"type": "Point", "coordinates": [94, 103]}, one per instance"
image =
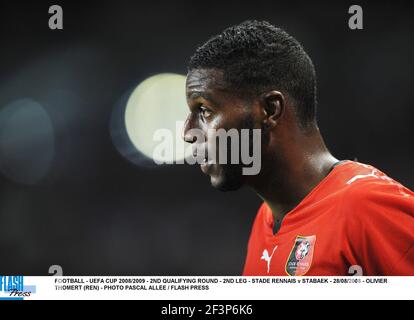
{"type": "Point", "coordinates": [380, 228]}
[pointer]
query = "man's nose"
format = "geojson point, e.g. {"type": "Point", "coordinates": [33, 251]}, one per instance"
{"type": "Point", "coordinates": [187, 135]}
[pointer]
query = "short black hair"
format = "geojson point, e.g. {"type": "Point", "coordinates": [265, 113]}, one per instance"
{"type": "Point", "coordinates": [256, 56]}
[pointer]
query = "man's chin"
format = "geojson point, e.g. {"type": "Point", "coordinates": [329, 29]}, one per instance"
{"type": "Point", "coordinates": [226, 182]}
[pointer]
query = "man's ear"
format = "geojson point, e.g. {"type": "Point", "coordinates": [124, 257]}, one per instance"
{"type": "Point", "coordinates": [273, 103]}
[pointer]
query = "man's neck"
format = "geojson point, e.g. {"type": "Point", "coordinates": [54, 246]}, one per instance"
{"type": "Point", "coordinates": [284, 184]}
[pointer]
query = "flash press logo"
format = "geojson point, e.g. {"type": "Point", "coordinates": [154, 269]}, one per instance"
{"type": "Point", "coordinates": [13, 288]}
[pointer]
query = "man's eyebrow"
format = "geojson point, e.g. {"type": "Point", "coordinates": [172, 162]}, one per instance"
{"type": "Point", "coordinates": [202, 94]}
{"type": "Point", "coordinates": [199, 94]}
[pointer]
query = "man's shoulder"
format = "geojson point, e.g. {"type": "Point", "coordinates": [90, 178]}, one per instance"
{"type": "Point", "coordinates": [264, 212]}
{"type": "Point", "coordinates": [365, 181]}
{"type": "Point", "coordinates": [369, 191]}
{"type": "Point", "coordinates": [358, 191]}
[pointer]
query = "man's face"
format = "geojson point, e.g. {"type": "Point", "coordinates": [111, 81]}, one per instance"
{"type": "Point", "coordinates": [214, 106]}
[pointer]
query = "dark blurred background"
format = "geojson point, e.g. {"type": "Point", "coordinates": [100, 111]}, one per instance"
{"type": "Point", "coordinates": [68, 196]}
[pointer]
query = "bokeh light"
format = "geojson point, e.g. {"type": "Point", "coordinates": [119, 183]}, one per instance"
{"type": "Point", "coordinates": [157, 103]}
{"type": "Point", "coordinates": [27, 142]}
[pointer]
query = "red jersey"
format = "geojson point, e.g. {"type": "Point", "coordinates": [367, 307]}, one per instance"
{"type": "Point", "coordinates": [356, 216]}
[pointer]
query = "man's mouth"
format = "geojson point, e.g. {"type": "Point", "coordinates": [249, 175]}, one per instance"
{"type": "Point", "coordinates": [205, 165]}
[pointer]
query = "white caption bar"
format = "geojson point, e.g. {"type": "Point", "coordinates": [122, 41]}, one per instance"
{"type": "Point", "coordinates": [215, 288]}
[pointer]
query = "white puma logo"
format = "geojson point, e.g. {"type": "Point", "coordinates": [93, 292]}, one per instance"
{"type": "Point", "coordinates": [373, 174]}
{"type": "Point", "coordinates": [268, 258]}
{"type": "Point", "coordinates": [362, 176]}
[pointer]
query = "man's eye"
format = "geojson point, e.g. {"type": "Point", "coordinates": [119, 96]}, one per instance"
{"type": "Point", "coordinates": [205, 112]}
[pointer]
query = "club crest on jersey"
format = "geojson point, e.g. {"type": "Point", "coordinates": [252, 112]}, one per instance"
{"type": "Point", "coordinates": [300, 257]}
